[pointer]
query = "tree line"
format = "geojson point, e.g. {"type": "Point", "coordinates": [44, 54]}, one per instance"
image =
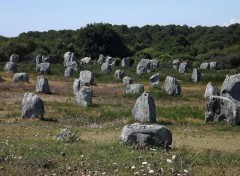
{"type": "Point", "coordinates": [165, 43]}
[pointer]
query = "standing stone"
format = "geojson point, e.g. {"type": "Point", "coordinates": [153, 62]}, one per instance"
{"type": "Point", "coordinates": [85, 60]}
{"type": "Point", "coordinates": [143, 66]}
{"type": "Point", "coordinates": [119, 74]}
{"type": "Point", "coordinates": [172, 86]}
{"type": "Point", "coordinates": [183, 67]}
{"type": "Point", "coordinates": [231, 88]}
{"type": "Point", "coordinates": [211, 90]}
{"type": "Point", "coordinates": [101, 59]}
{"type": "Point", "coordinates": [110, 61]}
{"type": "Point", "coordinates": [106, 68]}
{"type": "Point", "coordinates": [154, 64]}
{"type": "Point", "coordinates": [77, 85]}
{"type": "Point", "coordinates": [32, 106]}
{"type": "Point", "coordinates": [144, 109]}
{"type": "Point", "coordinates": [127, 80]}
{"type": "Point", "coordinates": [222, 109]}
{"type": "Point", "coordinates": [14, 58]}
{"type": "Point", "coordinates": [20, 77]}
{"type": "Point", "coordinates": [38, 59]}
{"type": "Point", "coordinates": [42, 85]}
{"type": "Point", "coordinates": [70, 60]}
{"type": "Point", "coordinates": [142, 134]}
{"type": "Point", "coordinates": [87, 77]}
{"type": "Point", "coordinates": [205, 66]}
{"type": "Point", "coordinates": [154, 80]}
{"type": "Point", "coordinates": [125, 62]}
{"type": "Point", "coordinates": [213, 65]}
{"type": "Point", "coordinates": [10, 67]}
{"type": "Point", "coordinates": [69, 72]}
{"type": "Point", "coordinates": [134, 88]}
{"type": "Point", "coordinates": [176, 63]}
{"type": "Point", "coordinates": [196, 75]}
{"type": "Point", "coordinates": [43, 68]}
{"type": "Point", "coordinates": [84, 96]}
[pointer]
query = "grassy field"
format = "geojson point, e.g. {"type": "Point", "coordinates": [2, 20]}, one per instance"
{"type": "Point", "coordinates": [29, 147]}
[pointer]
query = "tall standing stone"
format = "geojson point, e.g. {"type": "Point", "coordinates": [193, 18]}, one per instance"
{"type": "Point", "coordinates": [14, 58]}
{"type": "Point", "coordinates": [154, 80]}
{"type": "Point", "coordinates": [119, 74]}
{"type": "Point", "coordinates": [125, 62]}
{"type": "Point", "coordinates": [77, 85]}
{"type": "Point", "coordinates": [84, 96]}
{"type": "Point", "coordinates": [144, 109]}
{"type": "Point", "coordinates": [32, 106]}
{"type": "Point", "coordinates": [211, 90]}
{"type": "Point", "coordinates": [101, 59]}
{"type": "Point", "coordinates": [43, 68]}
{"type": "Point", "coordinates": [196, 75]}
{"type": "Point", "coordinates": [154, 63]}
{"type": "Point", "coordinates": [172, 86]}
{"type": "Point", "coordinates": [176, 63]}
{"type": "Point", "coordinates": [20, 77]}
{"type": "Point", "coordinates": [42, 85]}
{"type": "Point", "coordinates": [38, 59]}
{"type": "Point", "coordinates": [86, 77]}
{"type": "Point", "coordinates": [183, 67]}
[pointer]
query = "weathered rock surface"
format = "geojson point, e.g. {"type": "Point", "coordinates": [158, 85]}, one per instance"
{"type": "Point", "coordinates": [32, 106]}
{"type": "Point", "coordinates": [213, 65]}
{"type": "Point", "coordinates": [42, 85]}
{"type": "Point", "coordinates": [144, 109]}
{"type": "Point", "coordinates": [20, 77]}
{"type": "Point", "coordinates": [14, 58]}
{"type": "Point", "coordinates": [134, 88]}
{"type": "Point", "coordinates": [110, 61]}
{"type": "Point", "coordinates": [211, 90]}
{"type": "Point", "coordinates": [154, 80]}
{"type": "Point", "coordinates": [222, 109]}
{"type": "Point", "coordinates": [69, 72]}
{"type": "Point", "coordinates": [154, 64]}
{"type": "Point", "coordinates": [38, 59]}
{"type": "Point", "coordinates": [77, 85]}
{"type": "Point", "coordinates": [196, 75]}
{"type": "Point", "coordinates": [101, 59]}
{"type": "Point", "coordinates": [231, 88]}
{"type": "Point", "coordinates": [119, 74]}
{"type": "Point", "coordinates": [183, 67]}
{"type": "Point", "coordinates": [143, 66]}
{"type": "Point", "coordinates": [176, 63]}
{"type": "Point", "coordinates": [125, 62]}
{"type": "Point", "coordinates": [69, 58]}
{"type": "Point", "coordinates": [106, 68]}
{"type": "Point", "coordinates": [85, 60]}
{"type": "Point", "coordinates": [140, 134]}
{"type": "Point", "coordinates": [84, 96]}
{"type": "Point", "coordinates": [127, 80]}
{"type": "Point", "coordinates": [205, 66]}
{"type": "Point", "coordinates": [10, 67]}
{"type": "Point", "coordinates": [43, 68]}
{"type": "Point", "coordinates": [172, 86]}
{"type": "Point", "coordinates": [86, 77]}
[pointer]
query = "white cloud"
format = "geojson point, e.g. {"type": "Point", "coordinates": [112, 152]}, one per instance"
{"type": "Point", "coordinates": [232, 21]}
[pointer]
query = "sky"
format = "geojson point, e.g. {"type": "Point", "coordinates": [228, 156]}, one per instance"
{"type": "Point", "coordinates": [17, 16]}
